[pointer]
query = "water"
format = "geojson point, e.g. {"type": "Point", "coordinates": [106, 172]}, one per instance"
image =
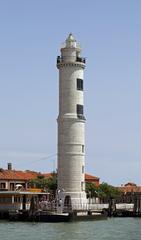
{"type": "Point", "coordinates": [111, 229]}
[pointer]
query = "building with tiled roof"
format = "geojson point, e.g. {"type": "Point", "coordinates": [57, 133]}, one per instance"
{"type": "Point", "coordinates": [130, 188]}
{"type": "Point", "coordinates": [92, 179]}
{"type": "Point", "coordinates": [10, 178]}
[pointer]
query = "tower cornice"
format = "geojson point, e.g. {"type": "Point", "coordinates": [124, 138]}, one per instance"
{"type": "Point", "coordinates": [70, 64]}
{"type": "Point", "coordinates": [71, 119]}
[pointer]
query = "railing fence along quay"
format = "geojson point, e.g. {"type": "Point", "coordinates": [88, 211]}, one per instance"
{"type": "Point", "coordinates": [87, 207]}
{"type": "Point", "coordinates": [125, 206]}
{"type": "Point", "coordinates": [91, 206]}
{"type": "Point", "coordinates": [75, 207]}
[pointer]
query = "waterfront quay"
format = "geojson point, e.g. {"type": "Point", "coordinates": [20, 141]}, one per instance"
{"type": "Point", "coordinates": [36, 206]}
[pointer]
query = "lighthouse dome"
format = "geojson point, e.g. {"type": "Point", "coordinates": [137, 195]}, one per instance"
{"type": "Point", "coordinates": [71, 38]}
{"type": "Point", "coordinates": [70, 41]}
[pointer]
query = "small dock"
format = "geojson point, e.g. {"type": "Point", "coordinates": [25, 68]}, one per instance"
{"type": "Point", "coordinates": [47, 216]}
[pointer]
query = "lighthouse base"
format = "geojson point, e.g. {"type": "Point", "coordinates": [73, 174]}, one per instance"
{"type": "Point", "coordinates": [69, 201]}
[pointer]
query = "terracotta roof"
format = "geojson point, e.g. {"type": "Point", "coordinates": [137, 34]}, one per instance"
{"type": "Point", "coordinates": [90, 177]}
{"type": "Point", "coordinates": [27, 175]}
{"type": "Point", "coordinates": [47, 175]}
{"type": "Point", "coordinates": [130, 187]}
{"type": "Point", "coordinates": [17, 175]}
{"type": "Point", "coordinates": [130, 184]}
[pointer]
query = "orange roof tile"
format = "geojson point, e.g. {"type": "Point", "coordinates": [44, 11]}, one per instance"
{"type": "Point", "coordinates": [17, 175]}
{"type": "Point", "coordinates": [130, 187]}
{"type": "Point", "coordinates": [27, 175]}
{"type": "Point", "coordinates": [130, 184]}
{"type": "Point", "coordinates": [47, 175]}
{"type": "Point", "coordinates": [90, 177]}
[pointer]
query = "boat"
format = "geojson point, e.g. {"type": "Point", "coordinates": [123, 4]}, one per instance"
{"type": "Point", "coordinates": [46, 216]}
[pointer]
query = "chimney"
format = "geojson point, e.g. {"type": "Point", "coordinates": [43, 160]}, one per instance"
{"type": "Point", "coordinates": [9, 166]}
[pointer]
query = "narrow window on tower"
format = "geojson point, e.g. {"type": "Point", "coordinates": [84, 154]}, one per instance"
{"type": "Point", "coordinates": [79, 109]}
{"type": "Point", "coordinates": [83, 149]}
{"type": "Point", "coordinates": [83, 169]}
{"type": "Point", "coordinates": [79, 84]}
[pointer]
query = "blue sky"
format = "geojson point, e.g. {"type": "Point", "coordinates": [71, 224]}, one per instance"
{"type": "Point", "coordinates": [31, 33]}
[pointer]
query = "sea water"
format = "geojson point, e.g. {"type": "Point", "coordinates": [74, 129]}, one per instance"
{"type": "Point", "coordinates": [110, 229]}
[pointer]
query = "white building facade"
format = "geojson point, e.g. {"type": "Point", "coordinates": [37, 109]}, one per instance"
{"type": "Point", "coordinates": [71, 125]}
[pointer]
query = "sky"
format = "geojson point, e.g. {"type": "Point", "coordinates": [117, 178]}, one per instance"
{"type": "Point", "coordinates": [109, 32]}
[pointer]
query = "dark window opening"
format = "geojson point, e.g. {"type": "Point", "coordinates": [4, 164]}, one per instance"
{"type": "Point", "coordinates": [79, 84]}
{"type": "Point", "coordinates": [82, 169]}
{"type": "Point", "coordinates": [12, 186]}
{"type": "Point", "coordinates": [2, 185]}
{"type": "Point", "coordinates": [80, 59]}
{"type": "Point", "coordinates": [82, 148]}
{"type": "Point", "coordinates": [79, 109]}
{"type": "Point", "coordinates": [67, 204]}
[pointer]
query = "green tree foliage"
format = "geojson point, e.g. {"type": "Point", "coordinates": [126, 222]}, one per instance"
{"type": "Point", "coordinates": [104, 191]}
{"type": "Point", "coordinates": [108, 191]}
{"type": "Point", "coordinates": [39, 182]}
{"type": "Point", "coordinates": [52, 183]}
{"type": "Point", "coordinates": [91, 190]}
{"type": "Point", "coordinates": [47, 184]}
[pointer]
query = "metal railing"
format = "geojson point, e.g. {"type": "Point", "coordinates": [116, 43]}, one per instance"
{"type": "Point", "coordinates": [78, 59]}
{"type": "Point", "coordinates": [81, 59]}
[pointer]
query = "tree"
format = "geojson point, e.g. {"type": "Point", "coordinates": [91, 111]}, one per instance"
{"type": "Point", "coordinates": [104, 191]}
{"type": "Point", "coordinates": [47, 184]}
{"type": "Point", "coordinates": [91, 190]}
{"type": "Point", "coordinates": [52, 183]}
{"type": "Point", "coordinates": [39, 182]}
{"type": "Point", "coordinates": [107, 191]}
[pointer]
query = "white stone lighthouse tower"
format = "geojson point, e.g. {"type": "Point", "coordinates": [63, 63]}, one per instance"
{"type": "Point", "coordinates": [71, 125]}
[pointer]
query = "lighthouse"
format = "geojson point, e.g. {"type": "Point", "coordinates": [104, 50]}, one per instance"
{"type": "Point", "coordinates": [71, 126]}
